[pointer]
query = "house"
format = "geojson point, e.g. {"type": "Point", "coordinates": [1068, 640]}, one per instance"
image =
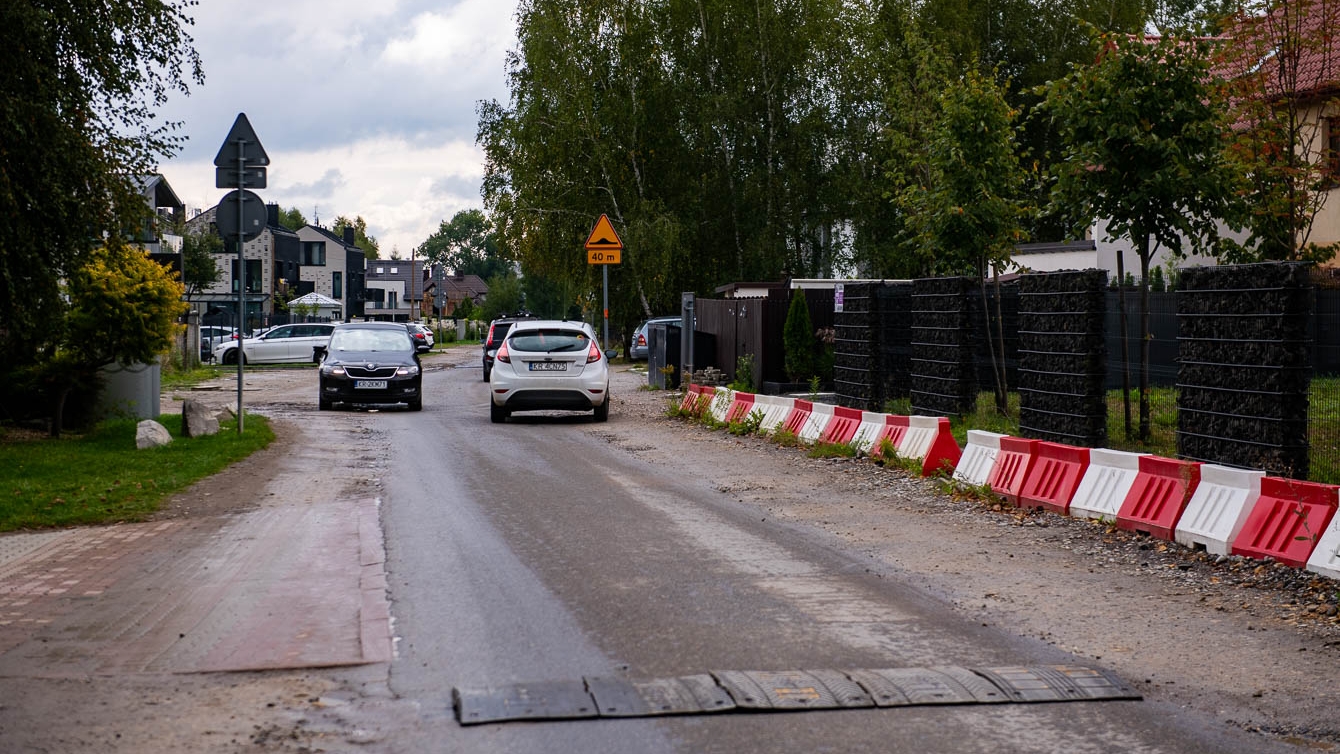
{"type": "Point", "coordinates": [455, 289]}
{"type": "Point", "coordinates": [163, 247]}
{"type": "Point", "coordinates": [394, 287]}
{"type": "Point", "coordinates": [271, 263]}
{"type": "Point", "coordinates": [334, 267]}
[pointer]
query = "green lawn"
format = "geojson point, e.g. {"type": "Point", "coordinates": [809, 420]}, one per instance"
{"type": "Point", "coordinates": [100, 477]}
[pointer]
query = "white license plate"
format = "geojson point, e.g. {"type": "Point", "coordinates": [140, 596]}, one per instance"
{"type": "Point", "coordinates": [369, 384]}
{"type": "Point", "coordinates": [549, 366]}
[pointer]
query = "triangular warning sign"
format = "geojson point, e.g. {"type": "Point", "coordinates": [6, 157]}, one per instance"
{"type": "Point", "coordinates": [241, 142]}
{"type": "Point", "coordinates": [603, 236]}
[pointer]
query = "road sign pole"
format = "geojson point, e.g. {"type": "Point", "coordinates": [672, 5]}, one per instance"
{"type": "Point", "coordinates": [606, 270]}
{"type": "Point", "coordinates": [241, 282]}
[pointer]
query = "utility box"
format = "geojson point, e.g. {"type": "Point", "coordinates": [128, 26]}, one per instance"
{"type": "Point", "coordinates": [131, 391]}
{"type": "Point", "coordinates": [664, 349]}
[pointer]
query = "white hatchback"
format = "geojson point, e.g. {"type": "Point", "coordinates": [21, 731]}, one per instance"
{"type": "Point", "coordinates": [547, 365]}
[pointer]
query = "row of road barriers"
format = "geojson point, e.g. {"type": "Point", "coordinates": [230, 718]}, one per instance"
{"type": "Point", "coordinates": [1225, 511]}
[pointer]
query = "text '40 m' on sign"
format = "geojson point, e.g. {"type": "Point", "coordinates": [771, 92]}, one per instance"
{"type": "Point", "coordinates": [603, 245]}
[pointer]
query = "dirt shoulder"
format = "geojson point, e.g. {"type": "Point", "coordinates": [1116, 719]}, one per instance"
{"type": "Point", "coordinates": [1252, 644]}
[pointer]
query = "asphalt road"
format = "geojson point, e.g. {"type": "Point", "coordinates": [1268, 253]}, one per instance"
{"type": "Point", "coordinates": [536, 551]}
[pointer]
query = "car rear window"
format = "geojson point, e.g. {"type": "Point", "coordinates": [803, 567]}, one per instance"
{"type": "Point", "coordinates": [370, 340]}
{"type": "Point", "coordinates": [550, 340]}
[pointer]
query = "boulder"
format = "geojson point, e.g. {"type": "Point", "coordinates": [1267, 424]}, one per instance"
{"type": "Point", "coordinates": [197, 419]}
{"type": "Point", "coordinates": [151, 434]}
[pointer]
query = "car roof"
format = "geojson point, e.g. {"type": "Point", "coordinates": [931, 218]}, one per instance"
{"type": "Point", "coordinates": [536, 324]}
{"type": "Point", "coordinates": [370, 326]}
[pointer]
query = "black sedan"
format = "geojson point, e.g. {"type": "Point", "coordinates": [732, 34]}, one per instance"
{"type": "Point", "coordinates": [369, 364]}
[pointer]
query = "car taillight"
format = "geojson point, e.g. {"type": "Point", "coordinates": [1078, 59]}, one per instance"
{"type": "Point", "coordinates": [641, 341]}
{"type": "Point", "coordinates": [502, 355]}
{"type": "Point", "coordinates": [489, 343]}
{"type": "Point", "coordinates": [593, 353]}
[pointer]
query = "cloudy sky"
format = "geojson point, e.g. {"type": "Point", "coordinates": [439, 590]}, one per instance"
{"type": "Point", "coordinates": [365, 107]}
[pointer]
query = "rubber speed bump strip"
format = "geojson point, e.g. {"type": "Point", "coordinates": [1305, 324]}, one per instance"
{"type": "Point", "coordinates": [753, 691]}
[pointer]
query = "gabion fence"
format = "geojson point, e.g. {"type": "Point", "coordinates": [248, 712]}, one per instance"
{"type": "Point", "coordinates": [1062, 357]}
{"type": "Point", "coordinates": [942, 368]}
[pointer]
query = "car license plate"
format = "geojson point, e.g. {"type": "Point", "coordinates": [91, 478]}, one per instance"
{"type": "Point", "coordinates": [549, 366]}
{"type": "Point", "coordinates": [369, 384]}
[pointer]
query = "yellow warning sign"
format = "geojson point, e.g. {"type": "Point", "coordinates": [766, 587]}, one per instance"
{"type": "Point", "coordinates": [603, 245]}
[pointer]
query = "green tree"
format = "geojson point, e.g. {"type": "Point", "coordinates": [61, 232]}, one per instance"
{"type": "Point", "coordinates": [200, 267]}
{"type": "Point", "coordinates": [361, 238]}
{"type": "Point", "coordinates": [82, 82]}
{"type": "Point", "coordinates": [466, 244]}
{"type": "Point", "coordinates": [464, 309]}
{"type": "Point", "coordinates": [504, 297]}
{"type": "Point", "coordinates": [798, 339]}
{"type": "Point", "coordinates": [292, 218]}
{"type": "Point", "coordinates": [123, 309]}
{"type": "Point", "coordinates": [967, 216]}
{"type": "Point", "coordinates": [1145, 146]}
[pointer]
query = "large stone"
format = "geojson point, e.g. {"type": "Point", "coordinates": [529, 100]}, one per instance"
{"type": "Point", "coordinates": [197, 419]}
{"type": "Point", "coordinates": [151, 434]}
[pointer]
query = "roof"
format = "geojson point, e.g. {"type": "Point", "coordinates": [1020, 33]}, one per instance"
{"type": "Point", "coordinates": [155, 188]}
{"type": "Point", "coordinates": [1307, 26]}
{"type": "Point", "coordinates": [316, 299]}
{"type": "Point", "coordinates": [332, 235]}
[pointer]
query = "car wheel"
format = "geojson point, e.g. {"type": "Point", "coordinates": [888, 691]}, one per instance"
{"type": "Point", "coordinates": [416, 405]}
{"type": "Point", "coordinates": [230, 357]}
{"type": "Point", "coordinates": [497, 413]}
{"type": "Point", "coordinates": [602, 412]}
{"type": "Point", "coordinates": [486, 373]}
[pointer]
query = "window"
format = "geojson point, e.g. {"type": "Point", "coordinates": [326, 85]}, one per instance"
{"type": "Point", "coordinates": [391, 302]}
{"type": "Point", "coordinates": [1332, 156]}
{"type": "Point", "coordinates": [314, 253]}
{"type": "Point", "coordinates": [253, 275]}
{"type": "Point", "coordinates": [337, 285]}
{"type": "Point", "coordinates": [381, 270]}
{"type": "Point", "coordinates": [394, 270]}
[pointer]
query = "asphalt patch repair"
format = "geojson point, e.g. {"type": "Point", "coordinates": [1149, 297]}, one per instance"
{"type": "Point", "coordinates": [785, 691]}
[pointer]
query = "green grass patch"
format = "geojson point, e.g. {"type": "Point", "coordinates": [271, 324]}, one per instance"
{"type": "Point", "coordinates": [100, 477]}
{"type": "Point", "coordinates": [833, 450]}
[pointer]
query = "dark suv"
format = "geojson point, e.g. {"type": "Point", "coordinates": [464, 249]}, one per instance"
{"type": "Point", "coordinates": [497, 331]}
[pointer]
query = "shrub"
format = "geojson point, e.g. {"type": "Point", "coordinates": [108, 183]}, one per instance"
{"type": "Point", "coordinates": [798, 339]}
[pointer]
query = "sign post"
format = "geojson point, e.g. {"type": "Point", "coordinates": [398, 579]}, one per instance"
{"type": "Point", "coordinates": [604, 248]}
{"type": "Point", "coordinates": [240, 164]}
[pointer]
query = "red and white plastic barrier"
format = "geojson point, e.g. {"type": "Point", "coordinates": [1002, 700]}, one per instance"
{"type": "Point", "coordinates": [1325, 558]}
{"type": "Point", "coordinates": [895, 428]}
{"type": "Point", "coordinates": [813, 428]}
{"type": "Point", "coordinates": [1105, 485]}
{"type": "Point", "coordinates": [1161, 492]}
{"type": "Point", "coordinates": [1013, 463]}
{"type": "Point", "coordinates": [871, 427]}
{"type": "Point", "coordinates": [741, 405]}
{"type": "Point", "coordinates": [1219, 507]}
{"type": "Point", "coordinates": [929, 440]}
{"type": "Point", "coordinates": [1288, 520]}
{"type": "Point", "coordinates": [775, 409]}
{"type": "Point", "coordinates": [1056, 473]}
{"type": "Point", "coordinates": [979, 455]}
{"type": "Point", "coordinates": [842, 427]}
{"type": "Point", "coordinates": [800, 413]}
{"type": "Point", "coordinates": [721, 400]}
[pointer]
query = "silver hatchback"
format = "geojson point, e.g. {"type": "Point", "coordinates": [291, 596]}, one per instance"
{"type": "Point", "coordinates": [549, 365]}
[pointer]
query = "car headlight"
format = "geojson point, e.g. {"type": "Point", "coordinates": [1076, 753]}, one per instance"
{"type": "Point", "coordinates": [407, 371]}
{"type": "Point", "coordinates": [332, 369]}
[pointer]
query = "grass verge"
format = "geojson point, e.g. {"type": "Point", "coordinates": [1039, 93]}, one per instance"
{"type": "Point", "coordinates": [100, 477]}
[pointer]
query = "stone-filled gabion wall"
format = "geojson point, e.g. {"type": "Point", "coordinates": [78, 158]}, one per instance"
{"type": "Point", "coordinates": [1244, 370]}
{"type": "Point", "coordinates": [871, 344]}
{"type": "Point", "coordinates": [1063, 357]}
{"type": "Point", "coordinates": [942, 369]}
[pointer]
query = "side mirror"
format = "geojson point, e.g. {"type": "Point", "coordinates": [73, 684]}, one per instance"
{"type": "Point", "coordinates": [318, 354]}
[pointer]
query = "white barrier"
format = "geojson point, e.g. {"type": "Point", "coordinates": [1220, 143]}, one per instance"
{"type": "Point", "coordinates": [1326, 558]}
{"type": "Point", "coordinates": [721, 403]}
{"type": "Point", "coordinates": [775, 409]}
{"type": "Point", "coordinates": [1218, 508]}
{"type": "Point", "coordinates": [974, 467]}
{"type": "Point", "coordinates": [871, 425]}
{"type": "Point", "coordinates": [921, 432]}
{"type": "Point", "coordinates": [814, 427]}
{"type": "Point", "coordinates": [1110, 477]}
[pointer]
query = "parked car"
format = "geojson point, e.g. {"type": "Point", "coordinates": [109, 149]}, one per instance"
{"type": "Point", "coordinates": [423, 337]}
{"type": "Point", "coordinates": [549, 365]}
{"type": "Point", "coordinates": [497, 332]}
{"type": "Point", "coordinates": [279, 345]}
{"type": "Point", "coordinates": [370, 363]}
{"type": "Point", "coordinates": [211, 336]}
{"type": "Point", "coordinates": [639, 349]}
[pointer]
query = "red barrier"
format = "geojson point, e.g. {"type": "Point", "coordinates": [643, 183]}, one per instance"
{"type": "Point", "coordinates": [944, 452]}
{"type": "Point", "coordinates": [690, 398]}
{"type": "Point", "coordinates": [740, 407]}
{"type": "Point", "coordinates": [1161, 491]}
{"type": "Point", "coordinates": [894, 429]}
{"type": "Point", "coordinates": [1056, 474]}
{"type": "Point", "coordinates": [800, 413]}
{"type": "Point", "coordinates": [1013, 463]}
{"type": "Point", "coordinates": [1287, 520]}
{"type": "Point", "coordinates": [842, 427]}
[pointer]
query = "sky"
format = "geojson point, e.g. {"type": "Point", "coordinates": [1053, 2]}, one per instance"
{"type": "Point", "coordinates": [364, 107]}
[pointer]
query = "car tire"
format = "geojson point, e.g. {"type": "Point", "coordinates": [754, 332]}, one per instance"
{"type": "Point", "coordinates": [497, 414]}
{"type": "Point", "coordinates": [416, 405]}
{"type": "Point", "coordinates": [486, 372]}
{"type": "Point", "coordinates": [602, 412]}
{"type": "Point", "coordinates": [230, 357]}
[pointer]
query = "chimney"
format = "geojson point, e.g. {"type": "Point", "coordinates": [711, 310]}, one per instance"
{"type": "Point", "coordinates": [272, 215]}
{"type": "Point", "coordinates": [348, 236]}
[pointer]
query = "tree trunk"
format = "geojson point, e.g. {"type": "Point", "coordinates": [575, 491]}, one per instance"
{"type": "Point", "coordinates": [1002, 379]}
{"type": "Point", "coordinates": [1125, 343]}
{"type": "Point", "coordinates": [58, 420]}
{"type": "Point", "coordinates": [1144, 338]}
